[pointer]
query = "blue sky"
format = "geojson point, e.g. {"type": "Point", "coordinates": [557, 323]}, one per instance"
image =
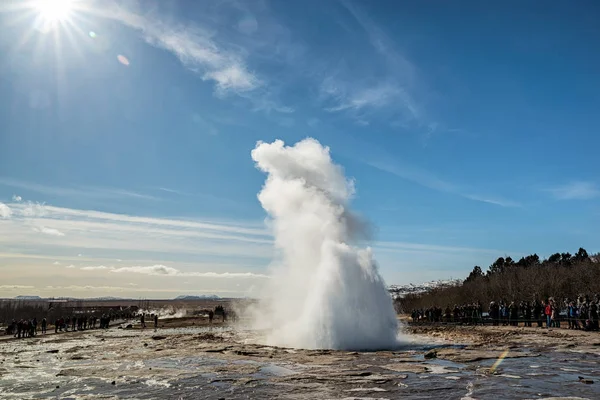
{"type": "Point", "coordinates": [470, 128]}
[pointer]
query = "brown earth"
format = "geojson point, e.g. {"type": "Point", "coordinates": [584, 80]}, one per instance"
{"type": "Point", "coordinates": [480, 340]}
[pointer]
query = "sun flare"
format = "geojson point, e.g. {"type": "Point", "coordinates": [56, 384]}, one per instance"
{"type": "Point", "coordinates": [54, 10]}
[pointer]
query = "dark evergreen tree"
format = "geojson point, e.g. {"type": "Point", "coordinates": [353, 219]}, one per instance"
{"type": "Point", "coordinates": [475, 274]}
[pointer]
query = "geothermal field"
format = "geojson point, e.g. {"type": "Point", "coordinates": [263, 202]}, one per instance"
{"type": "Point", "coordinates": [325, 327]}
{"type": "Point", "coordinates": [187, 359]}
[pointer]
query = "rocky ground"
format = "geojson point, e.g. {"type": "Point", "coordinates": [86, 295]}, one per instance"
{"type": "Point", "coordinates": [502, 337]}
{"type": "Point", "coordinates": [184, 360]}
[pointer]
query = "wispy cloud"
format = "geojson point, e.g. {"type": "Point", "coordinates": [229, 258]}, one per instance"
{"type": "Point", "coordinates": [31, 209]}
{"type": "Point", "coordinates": [150, 247]}
{"type": "Point", "coordinates": [358, 98]}
{"type": "Point", "coordinates": [577, 190]}
{"type": "Point", "coordinates": [196, 48]}
{"type": "Point", "coordinates": [491, 200]}
{"type": "Point", "coordinates": [5, 211]}
{"type": "Point", "coordinates": [15, 287]}
{"type": "Point", "coordinates": [428, 248]}
{"type": "Point", "coordinates": [173, 191]}
{"type": "Point", "coordinates": [16, 198]}
{"type": "Point", "coordinates": [94, 268]}
{"type": "Point", "coordinates": [78, 191]}
{"type": "Point", "coordinates": [205, 196]}
{"type": "Point", "coordinates": [163, 270]}
{"type": "Point", "coordinates": [129, 237]}
{"type": "Point", "coordinates": [390, 85]}
{"type": "Point", "coordinates": [212, 47]}
{"type": "Point", "coordinates": [429, 180]}
{"type": "Point", "coordinates": [170, 271]}
{"type": "Point", "coordinates": [48, 231]}
{"type": "Point", "coordinates": [102, 290]}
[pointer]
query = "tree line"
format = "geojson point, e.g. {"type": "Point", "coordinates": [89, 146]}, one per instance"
{"type": "Point", "coordinates": [562, 276]}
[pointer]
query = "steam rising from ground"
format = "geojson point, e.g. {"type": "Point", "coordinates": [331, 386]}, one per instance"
{"type": "Point", "coordinates": [165, 312]}
{"type": "Point", "coordinates": [325, 293]}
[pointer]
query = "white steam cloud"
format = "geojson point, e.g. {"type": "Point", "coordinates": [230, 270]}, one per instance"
{"type": "Point", "coordinates": [326, 293]}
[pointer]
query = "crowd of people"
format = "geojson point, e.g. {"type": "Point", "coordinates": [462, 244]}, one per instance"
{"type": "Point", "coordinates": [82, 322]}
{"type": "Point", "coordinates": [24, 328]}
{"type": "Point", "coordinates": [466, 313]}
{"type": "Point", "coordinates": [580, 313]}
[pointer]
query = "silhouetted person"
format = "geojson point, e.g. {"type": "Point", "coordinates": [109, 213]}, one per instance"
{"type": "Point", "coordinates": [19, 328]}
{"type": "Point", "coordinates": [155, 321]}
{"type": "Point", "coordinates": [537, 312]}
{"type": "Point", "coordinates": [527, 314]}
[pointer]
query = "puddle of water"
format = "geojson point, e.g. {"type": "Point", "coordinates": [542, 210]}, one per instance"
{"type": "Point", "coordinates": [276, 370]}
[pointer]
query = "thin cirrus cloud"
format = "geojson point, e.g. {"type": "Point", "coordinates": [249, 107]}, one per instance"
{"type": "Point", "coordinates": [105, 237]}
{"type": "Point", "coordinates": [163, 270]}
{"type": "Point", "coordinates": [15, 287]}
{"type": "Point", "coordinates": [210, 50]}
{"type": "Point", "coordinates": [48, 231]}
{"type": "Point", "coordinates": [120, 289]}
{"type": "Point", "coordinates": [195, 47]}
{"type": "Point", "coordinates": [356, 99]}
{"type": "Point", "coordinates": [428, 180]}
{"type": "Point", "coordinates": [158, 246]}
{"type": "Point", "coordinates": [401, 247]}
{"type": "Point", "coordinates": [392, 85]}
{"type": "Point", "coordinates": [578, 190]}
{"type": "Point", "coordinates": [78, 191]}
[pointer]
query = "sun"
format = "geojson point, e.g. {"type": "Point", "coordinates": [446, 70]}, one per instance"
{"type": "Point", "coordinates": [53, 11]}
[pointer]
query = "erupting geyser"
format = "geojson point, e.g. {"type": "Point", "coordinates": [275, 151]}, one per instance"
{"type": "Point", "coordinates": [325, 292]}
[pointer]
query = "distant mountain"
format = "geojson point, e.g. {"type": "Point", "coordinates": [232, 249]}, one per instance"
{"type": "Point", "coordinates": [28, 298]}
{"type": "Point", "coordinates": [104, 298]}
{"type": "Point", "coordinates": [402, 290]}
{"type": "Point", "coordinates": [203, 297]}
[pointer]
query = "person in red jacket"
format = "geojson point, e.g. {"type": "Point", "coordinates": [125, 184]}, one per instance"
{"type": "Point", "coordinates": [548, 313]}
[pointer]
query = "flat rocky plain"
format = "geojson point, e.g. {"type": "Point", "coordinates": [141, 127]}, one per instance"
{"type": "Point", "coordinates": [186, 359]}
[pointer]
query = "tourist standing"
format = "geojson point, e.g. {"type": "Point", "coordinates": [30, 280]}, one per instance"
{"type": "Point", "coordinates": [548, 313]}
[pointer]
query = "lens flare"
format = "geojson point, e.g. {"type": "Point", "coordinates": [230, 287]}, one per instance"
{"type": "Point", "coordinates": [499, 361]}
{"type": "Point", "coordinates": [123, 60]}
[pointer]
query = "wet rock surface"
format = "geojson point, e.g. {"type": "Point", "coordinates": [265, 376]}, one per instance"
{"type": "Point", "coordinates": [190, 363]}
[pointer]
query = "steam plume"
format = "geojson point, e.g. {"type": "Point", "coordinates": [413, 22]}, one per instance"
{"type": "Point", "coordinates": [325, 292]}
